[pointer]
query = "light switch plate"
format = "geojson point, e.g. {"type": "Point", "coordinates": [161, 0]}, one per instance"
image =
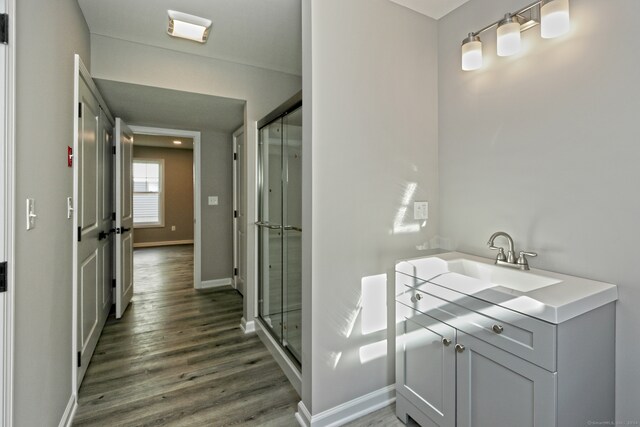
{"type": "Point", "coordinates": [31, 214]}
{"type": "Point", "coordinates": [420, 210]}
{"type": "Point", "coordinates": [213, 200]}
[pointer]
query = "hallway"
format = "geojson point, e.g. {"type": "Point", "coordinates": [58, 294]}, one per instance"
{"type": "Point", "coordinates": [178, 357]}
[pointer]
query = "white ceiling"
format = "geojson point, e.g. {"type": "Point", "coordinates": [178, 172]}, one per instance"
{"type": "Point", "coordinates": [152, 106]}
{"type": "Point", "coordinates": [435, 9]}
{"type": "Point", "coordinates": [261, 33]}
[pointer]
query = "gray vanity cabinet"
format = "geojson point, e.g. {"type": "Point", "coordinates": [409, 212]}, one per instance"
{"type": "Point", "coordinates": [496, 388]}
{"type": "Point", "coordinates": [464, 362]}
{"type": "Point", "coordinates": [426, 367]}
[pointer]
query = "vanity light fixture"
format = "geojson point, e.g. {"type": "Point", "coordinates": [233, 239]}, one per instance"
{"type": "Point", "coordinates": [553, 15]}
{"type": "Point", "coordinates": [177, 142]}
{"type": "Point", "coordinates": [188, 27]}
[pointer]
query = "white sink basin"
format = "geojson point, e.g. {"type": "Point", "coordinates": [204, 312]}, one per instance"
{"type": "Point", "coordinates": [518, 280]}
{"type": "Point", "coordinates": [546, 295]}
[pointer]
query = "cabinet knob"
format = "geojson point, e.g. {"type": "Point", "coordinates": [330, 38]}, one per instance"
{"type": "Point", "coordinates": [446, 342]}
{"type": "Point", "coordinates": [416, 298]}
{"type": "Point", "coordinates": [459, 348]}
{"type": "Point", "coordinates": [497, 329]}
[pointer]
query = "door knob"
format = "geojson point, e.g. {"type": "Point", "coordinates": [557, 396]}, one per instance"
{"type": "Point", "coordinates": [459, 348]}
{"type": "Point", "coordinates": [446, 342]}
{"type": "Point", "coordinates": [416, 298]}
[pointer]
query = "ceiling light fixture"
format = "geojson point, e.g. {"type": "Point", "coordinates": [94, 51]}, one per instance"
{"type": "Point", "coordinates": [553, 15]}
{"type": "Point", "coordinates": [177, 142]}
{"type": "Point", "coordinates": [188, 27]}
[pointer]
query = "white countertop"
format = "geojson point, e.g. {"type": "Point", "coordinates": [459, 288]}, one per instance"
{"type": "Point", "coordinates": [564, 298]}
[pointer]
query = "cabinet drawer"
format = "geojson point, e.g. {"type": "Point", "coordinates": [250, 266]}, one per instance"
{"type": "Point", "coordinates": [524, 336]}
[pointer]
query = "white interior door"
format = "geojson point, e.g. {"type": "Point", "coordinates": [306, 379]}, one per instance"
{"type": "Point", "coordinates": [86, 218]}
{"type": "Point", "coordinates": [240, 226]}
{"type": "Point", "coordinates": [105, 218]}
{"type": "Point", "coordinates": [124, 217]}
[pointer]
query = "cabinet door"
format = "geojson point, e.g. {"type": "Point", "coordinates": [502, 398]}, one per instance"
{"type": "Point", "coordinates": [498, 389]}
{"type": "Point", "coordinates": [425, 364]}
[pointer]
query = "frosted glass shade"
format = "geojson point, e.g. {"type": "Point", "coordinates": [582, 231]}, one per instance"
{"type": "Point", "coordinates": [508, 38]}
{"type": "Point", "coordinates": [554, 17]}
{"type": "Point", "coordinates": [472, 54]}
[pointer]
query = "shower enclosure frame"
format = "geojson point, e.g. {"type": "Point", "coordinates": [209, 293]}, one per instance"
{"type": "Point", "coordinates": [288, 107]}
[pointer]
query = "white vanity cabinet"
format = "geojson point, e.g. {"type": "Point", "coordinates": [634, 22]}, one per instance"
{"type": "Point", "coordinates": [463, 361]}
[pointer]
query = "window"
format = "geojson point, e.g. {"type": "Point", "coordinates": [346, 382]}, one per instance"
{"type": "Point", "coordinates": [148, 206]}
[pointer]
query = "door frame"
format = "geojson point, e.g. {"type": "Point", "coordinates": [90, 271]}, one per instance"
{"type": "Point", "coordinates": [197, 204]}
{"type": "Point", "coordinates": [236, 266]}
{"type": "Point", "coordinates": [7, 222]}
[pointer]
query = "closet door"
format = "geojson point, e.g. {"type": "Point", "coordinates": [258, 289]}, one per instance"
{"type": "Point", "coordinates": [86, 212]}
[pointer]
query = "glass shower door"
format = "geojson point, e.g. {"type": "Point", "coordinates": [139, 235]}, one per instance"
{"type": "Point", "coordinates": [280, 230]}
{"type": "Point", "coordinates": [270, 229]}
{"type": "Point", "coordinates": [292, 237]}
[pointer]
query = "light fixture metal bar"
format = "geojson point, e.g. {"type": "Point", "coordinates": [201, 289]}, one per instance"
{"type": "Point", "coordinates": [519, 15]}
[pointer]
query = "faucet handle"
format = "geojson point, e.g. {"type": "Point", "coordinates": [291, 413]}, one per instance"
{"type": "Point", "coordinates": [501, 256]}
{"type": "Point", "coordinates": [522, 259]}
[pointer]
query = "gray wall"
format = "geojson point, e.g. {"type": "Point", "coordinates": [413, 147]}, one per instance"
{"type": "Point", "coordinates": [48, 34]}
{"type": "Point", "coordinates": [544, 146]}
{"type": "Point", "coordinates": [374, 136]}
{"type": "Point", "coordinates": [178, 195]}
{"type": "Point", "coordinates": [216, 173]}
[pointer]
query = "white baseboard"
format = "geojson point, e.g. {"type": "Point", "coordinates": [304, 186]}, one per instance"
{"type": "Point", "coordinates": [247, 327]}
{"type": "Point", "coordinates": [69, 413]}
{"type": "Point", "coordinates": [167, 243]}
{"type": "Point", "coordinates": [217, 283]}
{"type": "Point", "coordinates": [303, 415]}
{"type": "Point", "coordinates": [348, 411]}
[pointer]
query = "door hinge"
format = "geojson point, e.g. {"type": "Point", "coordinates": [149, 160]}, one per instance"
{"type": "Point", "coordinates": [113, 283]}
{"type": "Point", "coordinates": [80, 110]}
{"type": "Point", "coordinates": [113, 150]}
{"type": "Point", "coordinates": [79, 234]}
{"type": "Point", "coordinates": [79, 359]}
{"type": "Point", "coordinates": [235, 214]}
{"type": "Point", "coordinates": [4, 28]}
{"type": "Point", "coordinates": [235, 271]}
{"type": "Point", "coordinates": [235, 156]}
{"type": "Point", "coordinates": [113, 216]}
{"type": "Point", "coordinates": [3, 276]}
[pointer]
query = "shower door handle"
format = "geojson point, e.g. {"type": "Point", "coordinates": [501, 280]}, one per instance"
{"type": "Point", "coordinates": [292, 227]}
{"type": "Point", "coordinates": [267, 225]}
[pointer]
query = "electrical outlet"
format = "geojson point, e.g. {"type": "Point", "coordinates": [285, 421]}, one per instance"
{"type": "Point", "coordinates": [213, 200]}
{"type": "Point", "coordinates": [420, 210]}
{"type": "Point", "coordinates": [173, 228]}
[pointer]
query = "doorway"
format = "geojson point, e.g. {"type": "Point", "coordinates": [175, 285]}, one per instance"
{"type": "Point", "coordinates": [183, 136]}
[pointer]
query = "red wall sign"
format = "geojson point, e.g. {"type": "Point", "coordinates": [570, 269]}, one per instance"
{"type": "Point", "coordinates": [69, 156]}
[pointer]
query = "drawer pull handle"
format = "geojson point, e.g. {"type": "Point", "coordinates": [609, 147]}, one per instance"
{"type": "Point", "coordinates": [459, 348]}
{"type": "Point", "coordinates": [497, 329]}
{"type": "Point", "coordinates": [416, 298]}
{"type": "Point", "coordinates": [446, 342]}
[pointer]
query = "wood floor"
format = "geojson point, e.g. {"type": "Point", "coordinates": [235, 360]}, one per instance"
{"type": "Point", "coordinates": [179, 358]}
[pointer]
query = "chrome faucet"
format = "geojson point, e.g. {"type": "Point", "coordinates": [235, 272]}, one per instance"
{"type": "Point", "coordinates": [509, 260]}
